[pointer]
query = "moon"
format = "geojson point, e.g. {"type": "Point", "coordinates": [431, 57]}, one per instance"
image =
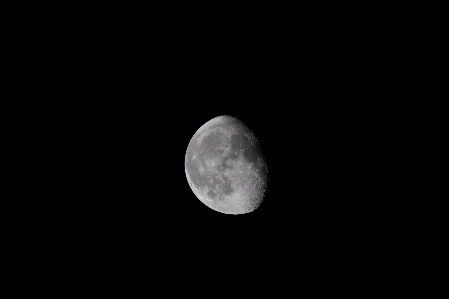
{"type": "Point", "coordinates": [225, 166]}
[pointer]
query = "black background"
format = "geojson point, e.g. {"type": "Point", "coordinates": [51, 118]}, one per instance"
{"type": "Point", "coordinates": [121, 101]}
{"type": "Point", "coordinates": [129, 124]}
{"type": "Point", "coordinates": [133, 102]}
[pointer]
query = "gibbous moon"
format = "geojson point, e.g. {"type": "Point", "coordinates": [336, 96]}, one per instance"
{"type": "Point", "coordinates": [225, 167]}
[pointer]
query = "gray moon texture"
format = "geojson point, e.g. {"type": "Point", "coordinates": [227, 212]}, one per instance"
{"type": "Point", "coordinates": [225, 166]}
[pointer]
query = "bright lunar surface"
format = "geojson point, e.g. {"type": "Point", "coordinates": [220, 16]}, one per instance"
{"type": "Point", "coordinates": [225, 166]}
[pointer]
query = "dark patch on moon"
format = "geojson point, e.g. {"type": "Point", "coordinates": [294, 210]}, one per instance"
{"type": "Point", "coordinates": [209, 147]}
{"type": "Point", "coordinates": [211, 194]}
{"type": "Point", "coordinates": [239, 141]}
{"type": "Point", "coordinates": [232, 156]}
{"type": "Point", "coordinates": [252, 153]}
{"type": "Point", "coordinates": [224, 165]}
{"type": "Point", "coordinates": [225, 187]}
